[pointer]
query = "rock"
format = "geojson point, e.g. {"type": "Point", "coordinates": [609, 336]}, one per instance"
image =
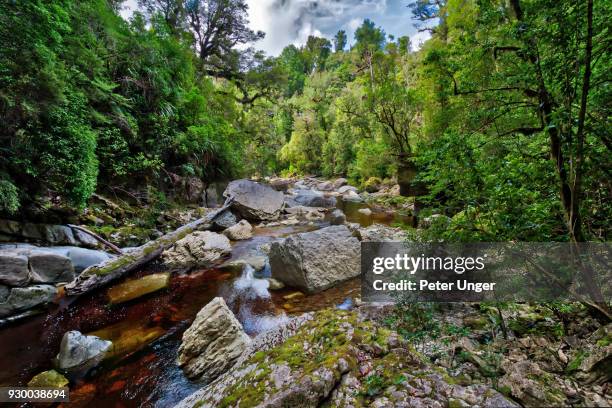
{"type": "Point", "coordinates": [337, 217]}
{"type": "Point", "coordinates": [13, 269]}
{"type": "Point", "coordinates": [242, 230]}
{"type": "Point", "coordinates": [47, 267]}
{"type": "Point", "coordinates": [4, 293]}
{"type": "Point", "coordinates": [255, 201]}
{"type": "Point", "coordinates": [79, 353]}
{"type": "Point", "coordinates": [200, 248]}
{"type": "Point", "coordinates": [236, 266]}
{"type": "Point", "coordinates": [48, 379]}
{"type": "Point", "coordinates": [310, 198]}
{"type": "Point", "coordinates": [224, 220]}
{"type": "Point", "coordinates": [365, 211]}
{"type": "Point", "coordinates": [213, 343]}
{"type": "Point", "coordinates": [306, 212]}
{"type": "Point", "coordinates": [138, 287]}
{"type": "Point", "coordinates": [84, 239]}
{"type": "Point", "coordinates": [325, 186]}
{"type": "Point", "coordinates": [83, 258]}
{"type": "Point", "coordinates": [275, 284]}
{"type": "Point", "coordinates": [352, 197]}
{"type": "Point", "coordinates": [372, 185]}
{"type": "Point", "coordinates": [280, 184]}
{"type": "Point", "coordinates": [400, 378]}
{"type": "Point", "coordinates": [529, 385]}
{"type": "Point", "coordinates": [347, 190]}
{"type": "Point", "coordinates": [340, 182]}
{"type": "Point", "coordinates": [26, 298]}
{"type": "Point", "coordinates": [379, 233]}
{"type": "Point", "coordinates": [59, 235]}
{"type": "Point", "coordinates": [315, 261]}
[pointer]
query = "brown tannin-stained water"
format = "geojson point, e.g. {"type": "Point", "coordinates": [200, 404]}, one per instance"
{"type": "Point", "coordinates": [146, 332]}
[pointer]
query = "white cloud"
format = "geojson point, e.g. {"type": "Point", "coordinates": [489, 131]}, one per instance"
{"type": "Point", "coordinates": [419, 38]}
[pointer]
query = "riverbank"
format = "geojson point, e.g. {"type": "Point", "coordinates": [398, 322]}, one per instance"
{"type": "Point", "coordinates": [470, 345]}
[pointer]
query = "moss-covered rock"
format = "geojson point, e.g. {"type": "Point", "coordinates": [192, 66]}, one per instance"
{"type": "Point", "coordinates": [337, 359]}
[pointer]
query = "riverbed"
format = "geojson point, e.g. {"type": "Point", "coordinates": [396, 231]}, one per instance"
{"type": "Point", "coordinates": [146, 332]}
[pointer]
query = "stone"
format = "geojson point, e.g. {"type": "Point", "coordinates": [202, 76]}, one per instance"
{"type": "Point", "coordinates": [213, 343]}
{"type": "Point", "coordinates": [258, 262]}
{"type": "Point", "coordinates": [136, 288]}
{"type": "Point", "coordinates": [254, 201]}
{"type": "Point", "coordinates": [317, 260]}
{"type": "Point", "coordinates": [200, 248]}
{"type": "Point", "coordinates": [58, 235]}
{"type": "Point", "coordinates": [241, 231]}
{"type": "Point", "coordinates": [347, 190]}
{"type": "Point", "coordinates": [335, 378]}
{"type": "Point", "coordinates": [275, 284]}
{"type": "Point", "coordinates": [79, 353]}
{"type": "Point", "coordinates": [365, 211]}
{"type": "Point", "coordinates": [311, 198]}
{"type": "Point", "coordinates": [224, 220]}
{"type": "Point", "coordinates": [26, 298]}
{"type": "Point", "coordinates": [352, 197]}
{"type": "Point", "coordinates": [48, 267]}
{"type": "Point", "coordinates": [13, 269]}
{"type": "Point", "coordinates": [9, 227]}
{"type": "Point", "coordinates": [84, 239]}
{"type": "Point", "coordinates": [340, 182]}
{"type": "Point", "coordinates": [325, 186]}
{"type": "Point", "coordinates": [337, 217]}
{"type": "Point", "coordinates": [48, 379]}
{"type": "Point", "coordinates": [280, 184]}
{"type": "Point", "coordinates": [380, 233]}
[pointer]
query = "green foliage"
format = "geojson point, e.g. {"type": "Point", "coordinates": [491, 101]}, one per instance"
{"type": "Point", "coordinates": [9, 200]}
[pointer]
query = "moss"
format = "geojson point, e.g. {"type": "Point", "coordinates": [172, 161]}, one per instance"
{"type": "Point", "coordinates": [576, 362]}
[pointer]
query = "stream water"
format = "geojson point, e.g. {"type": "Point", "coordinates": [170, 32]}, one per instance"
{"type": "Point", "coordinates": [146, 332]}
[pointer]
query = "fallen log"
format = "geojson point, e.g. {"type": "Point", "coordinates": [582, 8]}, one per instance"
{"type": "Point", "coordinates": [98, 238]}
{"type": "Point", "coordinates": [101, 274]}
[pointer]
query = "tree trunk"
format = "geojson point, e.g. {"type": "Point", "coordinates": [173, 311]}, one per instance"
{"type": "Point", "coordinates": [99, 275]}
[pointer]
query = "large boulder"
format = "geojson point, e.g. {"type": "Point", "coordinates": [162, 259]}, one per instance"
{"type": "Point", "coordinates": [315, 261]}
{"type": "Point", "coordinates": [200, 248]}
{"type": "Point", "coordinates": [19, 299]}
{"type": "Point", "coordinates": [254, 201]}
{"type": "Point", "coordinates": [79, 353]}
{"type": "Point", "coordinates": [240, 231]}
{"type": "Point", "coordinates": [47, 267]}
{"type": "Point", "coordinates": [213, 343]}
{"type": "Point", "coordinates": [13, 269]}
{"type": "Point", "coordinates": [340, 182]}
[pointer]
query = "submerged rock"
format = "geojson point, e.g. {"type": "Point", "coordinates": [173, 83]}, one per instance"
{"type": "Point", "coordinates": [213, 343]}
{"type": "Point", "coordinates": [48, 379]}
{"type": "Point", "coordinates": [200, 248]}
{"type": "Point", "coordinates": [337, 217]}
{"type": "Point", "coordinates": [19, 299]}
{"type": "Point", "coordinates": [242, 230]}
{"type": "Point", "coordinates": [139, 287]}
{"type": "Point", "coordinates": [315, 261]}
{"type": "Point", "coordinates": [255, 201]}
{"type": "Point", "coordinates": [79, 353]}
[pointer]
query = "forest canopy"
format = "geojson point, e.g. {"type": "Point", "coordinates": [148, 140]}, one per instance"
{"type": "Point", "coordinates": [500, 120]}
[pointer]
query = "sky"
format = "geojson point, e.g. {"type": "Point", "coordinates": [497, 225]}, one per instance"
{"type": "Point", "coordinates": [292, 21]}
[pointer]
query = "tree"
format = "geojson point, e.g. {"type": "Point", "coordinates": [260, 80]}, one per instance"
{"type": "Point", "coordinates": [368, 37]}
{"type": "Point", "coordinates": [316, 51]}
{"type": "Point", "coordinates": [340, 41]}
{"type": "Point", "coordinates": [218, 26]}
